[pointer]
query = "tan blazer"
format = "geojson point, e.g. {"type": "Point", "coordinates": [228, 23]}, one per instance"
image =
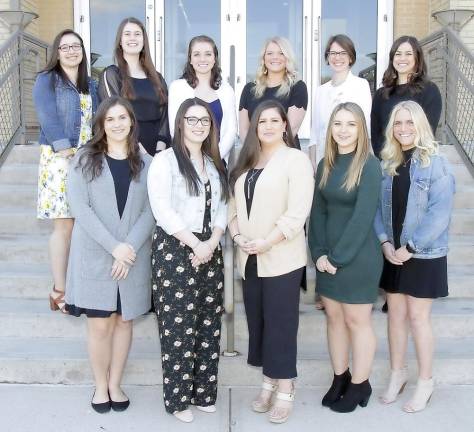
{"type": "Point", "coordinates": [283, 196]}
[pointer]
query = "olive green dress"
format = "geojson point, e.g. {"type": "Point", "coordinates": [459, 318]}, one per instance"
{"type": "Point", "coordinates": [341, 227]}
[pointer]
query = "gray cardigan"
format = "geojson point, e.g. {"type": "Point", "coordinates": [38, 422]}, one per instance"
{"type": "Point", "coordinates": [98, 229]}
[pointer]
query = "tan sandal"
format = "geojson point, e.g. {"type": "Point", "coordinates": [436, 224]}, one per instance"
{"type": "Point", "coordinates": [58, 302]}
{"type": "Point", "coordinates": [421, 397]}
{"type": "Point", "coordinates": [261, 405]}
{"type": "Point", "coordinates": [280, 413]}
{"type": "Point", "coordinates": [398, 381]}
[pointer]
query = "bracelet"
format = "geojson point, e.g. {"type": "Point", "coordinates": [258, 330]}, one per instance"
{"type": "Point", "coordinates": [410, 249]}
{"type": "Point", "coordinates": [234, 236]}
{"type": "Point", "coordinates": [386, 241]}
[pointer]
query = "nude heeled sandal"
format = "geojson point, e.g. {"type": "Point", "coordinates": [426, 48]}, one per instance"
{"type": "Point", "coordinates": [261, 406]}
{"type": "Point", "coordinates": [279, 413]}
{"type": "Point", "coordinates": [398, 381]}
{"type": "Point", "coordinates": [421, 397]}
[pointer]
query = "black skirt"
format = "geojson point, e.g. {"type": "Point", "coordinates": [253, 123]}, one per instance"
{"type": "Point", "coordinates": [94, 313]}
{"type": "Point", "coordinates": [421, 278]}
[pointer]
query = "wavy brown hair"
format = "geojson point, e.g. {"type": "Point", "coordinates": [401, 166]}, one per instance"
{"type": "Point", "coordinates": [248, 157]}
{"type": "Point", "coordinates": [209, 149]}
{"type": "Point", "coordinates": [362, 151]}
{"type": "Point", "coordinates": [189, 74]}
{"type": "Point", "coordinates": [53, 64]}
{"type": "Point", "coordinates": [145, 62]}
{"type": "Point", "coordinates": [91, 155]}
{"type": "Point", "coordinates": [417, 79]}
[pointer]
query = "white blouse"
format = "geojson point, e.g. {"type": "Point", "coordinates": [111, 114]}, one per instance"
{"type": "Point", "coordinates": [327, 97]}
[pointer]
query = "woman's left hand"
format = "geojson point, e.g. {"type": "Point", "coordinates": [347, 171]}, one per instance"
{"type": "Point", "coordinates": [402, 254]}
{"type": "Point", "coordinates": [257, 246]}
{"type": "Point", "coordinates": [119, 270]}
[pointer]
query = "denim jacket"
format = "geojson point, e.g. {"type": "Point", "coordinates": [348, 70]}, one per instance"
{"type": "Point", "coordinates": [429, 206]}
{"type": "Point", "coordinates": [58, 110]}
{"type": "Point", "coordinates": [173, 207]}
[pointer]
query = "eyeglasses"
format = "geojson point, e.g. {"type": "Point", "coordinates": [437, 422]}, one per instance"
{"type": "Point", "coordinates": [66, 47]}
{"type": "Point", "coordinates": [193, 121]}
{"type": "Point", "coordinates": [338, 53]}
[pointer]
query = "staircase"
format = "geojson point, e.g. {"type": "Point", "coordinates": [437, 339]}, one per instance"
{"type": "Point", "coordinates": [39, 346]}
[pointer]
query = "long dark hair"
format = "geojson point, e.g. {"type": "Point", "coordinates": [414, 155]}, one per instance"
{"type": "Point", "coordinates": [210, 149]}
{"type": "Point", "coordinates": [91, 154]}
{"type": "Point", "coordinates": [53, 64]}
{"type": "Point", "coordinates": [417, 79]}
{"type": "Point", "coordinates": [250, 152]}
{"type": "Point", "coordinates": [145, 62]}
{"type": "Point", "coordinates": [189, 74]}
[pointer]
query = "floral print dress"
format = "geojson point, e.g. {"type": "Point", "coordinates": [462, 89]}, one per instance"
{"type": "Point", "coordinates": [189, 304]}
{"type": "Point", "coordinates": [52, 201]}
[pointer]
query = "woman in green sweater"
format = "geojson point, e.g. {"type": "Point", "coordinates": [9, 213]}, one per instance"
{"type": "Point", "coordinates": [347, 253]}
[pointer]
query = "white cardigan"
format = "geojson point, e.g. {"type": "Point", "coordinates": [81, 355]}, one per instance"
{"type": "Point", "coordinates": [327, 97]}
{"type": "Point", "coordinates": [174, 209]}
{"type": "Point", "coordinates": [179, 90]}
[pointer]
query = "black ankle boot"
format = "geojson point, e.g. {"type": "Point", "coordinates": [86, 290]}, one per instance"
{"type": "Point", "coordinates": [356, 394]}
{"type": "Point", "coordinates": [338, 388]}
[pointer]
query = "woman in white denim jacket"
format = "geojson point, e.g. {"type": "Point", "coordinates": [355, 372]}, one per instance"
{"type": "Point", "coordinates": [412, 224]}
{"type": "Point", "coordinates": [188, 193]}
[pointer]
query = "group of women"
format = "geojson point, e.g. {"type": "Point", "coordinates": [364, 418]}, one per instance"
{"type": "Point", "coordinates": [131, 230]}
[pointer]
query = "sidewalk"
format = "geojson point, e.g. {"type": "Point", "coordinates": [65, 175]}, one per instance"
{"type": "Point", "coordinates": [44, 408]}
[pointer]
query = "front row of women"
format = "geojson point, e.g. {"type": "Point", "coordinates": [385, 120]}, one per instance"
{"type": "Point", "coordinates": [114, 191]}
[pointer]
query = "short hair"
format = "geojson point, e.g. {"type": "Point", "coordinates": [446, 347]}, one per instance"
{"type": "Point", "coordinates": [345, 42]}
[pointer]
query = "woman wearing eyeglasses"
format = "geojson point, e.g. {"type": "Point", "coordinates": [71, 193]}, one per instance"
{"type": "Point", "coordinates": [340, 55]}
{"type": "Point", "coordinates": [202, 78]}
{"type": "Point", "coordinates": [187, 187]}
{"type": "Point", "coordinates": [65, 100]}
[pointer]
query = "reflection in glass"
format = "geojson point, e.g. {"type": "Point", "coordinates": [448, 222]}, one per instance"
{"type": "Point", "coordinates": [185, 19]}
{"type": "Point", "coordinates": [105, 18]}
{"type": "Point", "coordinates": [267, 18]}
{"type": "Point", "coordinates": [359, 22]}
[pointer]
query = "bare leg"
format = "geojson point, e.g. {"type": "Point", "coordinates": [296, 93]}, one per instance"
{"type": "Point", "coordinates": [358, 318]}
{"type": "Point", "coordinates": [419, 313]}
{"type": "Point", "coordinates": [121, 341]}
{"type": "Point", "coordinates": [59, 243]}
{"type": "Point", "coordinates": [100, 336]}
{"type": "Point", "coordinates": [397, 324]}
{"type": "Point", "coordinates": [338, 335]}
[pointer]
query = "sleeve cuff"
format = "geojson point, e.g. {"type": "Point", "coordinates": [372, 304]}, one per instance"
{"type": "Point", "coordinates": [61, 144]}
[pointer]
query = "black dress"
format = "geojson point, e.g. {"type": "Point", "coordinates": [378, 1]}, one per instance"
{"type": "Point", "coordinates": [421, 278]}
{"type": "Point", "coordinates": [298, 97]}
{"type": "Point", "coordinates": [121, 174]}
{"type": "Point", "coordinates": [429, 98]}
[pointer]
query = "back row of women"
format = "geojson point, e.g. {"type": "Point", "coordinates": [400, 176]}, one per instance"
{"type": "Point", "coordinates": [106, 203]}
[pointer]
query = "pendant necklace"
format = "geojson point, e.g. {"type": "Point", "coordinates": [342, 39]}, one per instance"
{"type": "Point", "coordinates": [255, 171]}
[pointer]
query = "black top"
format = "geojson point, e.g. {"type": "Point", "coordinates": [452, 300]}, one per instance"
{"type": "Point", "coordinates": [152, 115]}
{"type": "Point", "coordinates": [298, 97]}
{"type": "Point", "coordinates": [122, 175]}
{"type": "Point", "coordinates": [249, 186]}
{"type": "Point", "coordinates": [400, 189]}
{"type": "Point", "coordinates": [216, 108]}
{"type": "Point", "coordinates": [429, 98]}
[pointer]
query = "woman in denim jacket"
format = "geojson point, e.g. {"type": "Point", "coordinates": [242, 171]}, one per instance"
{"type": "Point", "coordinates": [65, 100]}
{"type": "Point", "coordinates": [412, 224]}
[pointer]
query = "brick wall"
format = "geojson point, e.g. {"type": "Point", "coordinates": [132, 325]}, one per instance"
{"type": "Point", "coordinates": [55, 15]}
{"type": "Point", "coordinates": [410, 18]}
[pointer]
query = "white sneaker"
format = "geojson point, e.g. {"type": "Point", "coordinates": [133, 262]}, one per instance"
{"type": "Point", "coordinates": [208, 409]}
{"type": "Point", "coordinates": [185, 416]}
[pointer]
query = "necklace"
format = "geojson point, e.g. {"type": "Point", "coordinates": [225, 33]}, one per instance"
{"type": "Point", "coordinates": [254, 172]}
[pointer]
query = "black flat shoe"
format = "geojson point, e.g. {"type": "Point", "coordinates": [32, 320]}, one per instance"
{"type": "Point", "coordinates": [356, 394]}
{"type": "Point", "coordinates": [120, 406]}
{"type": "Point", "coordinates": [101, 408]}
{"type": "Point", "coordinates": [337, 389]}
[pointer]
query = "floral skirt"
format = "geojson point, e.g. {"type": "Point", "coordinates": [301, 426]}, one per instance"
{"type": "Point", "coordinates": [52, 199]}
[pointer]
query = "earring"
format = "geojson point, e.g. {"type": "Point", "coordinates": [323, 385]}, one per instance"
{"type": "Point", "coordinates": [265, 70]}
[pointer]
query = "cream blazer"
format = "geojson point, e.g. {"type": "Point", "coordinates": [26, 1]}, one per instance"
{"type": "Point", "coordinates": [283, 196]}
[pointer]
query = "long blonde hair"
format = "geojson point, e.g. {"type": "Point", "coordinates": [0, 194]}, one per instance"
{"type": "Point", "coordinates": [426, 146]}
{"type": "Point", "coordinates": [362, 152]}
{"type": "Point", "coordinates": [261, 76]}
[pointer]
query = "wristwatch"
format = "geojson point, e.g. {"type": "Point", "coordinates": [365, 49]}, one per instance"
{"type": "Point", "coordinates": [409, 248]}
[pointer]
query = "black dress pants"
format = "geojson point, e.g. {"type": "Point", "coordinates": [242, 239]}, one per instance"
{"type": "Point", "coordinates": [272, 308]}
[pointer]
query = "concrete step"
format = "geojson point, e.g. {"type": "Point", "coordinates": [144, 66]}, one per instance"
{"type": "Point", "coordinates": [462, 222]}
{"type": "Point", "coordinates": [19, 196]}
{"type": "Point", "coordinates": [32, 318]}
{"type": "Point", "coordinates": [65, 361]}
{"type": "Point", "coordinates": [28, 154]}
{"type": "Point", "coordinates": [19, 174]}
{"type": "Point", "coordinates": [14, 221]}
{"type": "Point", "coordinates": [464, 196]}
{"type": "Point", "coordinates": [461, 249]}
{"type": "Point", "coordinates": [18, 280]}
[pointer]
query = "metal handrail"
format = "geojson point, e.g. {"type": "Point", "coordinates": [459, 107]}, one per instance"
{"type": "Point", "coordinates": [451, 66]}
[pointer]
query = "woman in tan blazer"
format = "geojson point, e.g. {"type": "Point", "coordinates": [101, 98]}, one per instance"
{"type": "Point", "coordinates": [272, 186]}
